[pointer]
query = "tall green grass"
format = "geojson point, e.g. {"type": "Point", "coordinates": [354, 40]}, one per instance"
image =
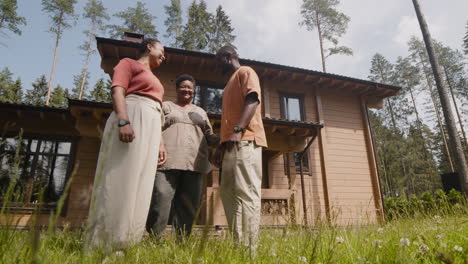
{"type": "Point", "coordinates": [424, 229]}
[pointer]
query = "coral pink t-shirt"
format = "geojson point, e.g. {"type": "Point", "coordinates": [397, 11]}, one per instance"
{"type": "Point", "coordinates": [137, 79]}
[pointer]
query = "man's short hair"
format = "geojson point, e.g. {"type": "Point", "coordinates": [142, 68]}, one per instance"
{"type": "Point", "coordinates": [228, 50]}
{"type": "Point", "coordinates": [184, 77]}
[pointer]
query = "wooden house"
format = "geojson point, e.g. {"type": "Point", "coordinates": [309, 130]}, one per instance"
{"type": "Point", "coordinates": [340, 182]}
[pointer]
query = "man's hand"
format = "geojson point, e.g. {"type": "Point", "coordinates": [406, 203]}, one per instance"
{"type": "Point", "coordinates": [126, 133]}
{"type": "Point", "coordinates": [218, 155]}
{"type": "Point", "coordinates": [162, 155]}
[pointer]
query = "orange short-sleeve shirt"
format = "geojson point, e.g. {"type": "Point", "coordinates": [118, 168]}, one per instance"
{"type": "Point", "coordinates": [137, 79]}
{"type": "Point", "coordinates": [242, 82]}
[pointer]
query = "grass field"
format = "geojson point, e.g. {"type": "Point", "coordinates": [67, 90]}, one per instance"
{"type": "Point", "coordinates": [430, 239]}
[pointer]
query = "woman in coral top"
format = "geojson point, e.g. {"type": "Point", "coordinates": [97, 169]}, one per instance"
{"type": "Point", "coordinates": [129, 152]}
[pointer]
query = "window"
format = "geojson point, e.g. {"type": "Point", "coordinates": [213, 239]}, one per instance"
{"type": "Point", "coordinates": [209, 98]}
{"type": "Point", "coordinates": [43, 165]}
{"type": "Point", "coordinates": [292, 108]}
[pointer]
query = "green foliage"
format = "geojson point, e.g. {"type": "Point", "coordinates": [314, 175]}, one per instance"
{"type": "Point", "coordinates": [465, 40]}
{"type": "Point", "coordinates": [58, 97]}
{"type": "Point", "coordinates": [37, 95]}
{"type": "Point", "coordinates": [135, 19]}
{"type": "Point", "coordinates": [426, 204]}
{"type": "Point", "coordinates": [10, 91]}
{"type": "Point", "coordinates": [173, 23]}
{"type": "Point", "coordinates": [196, 33]}
{"type": "Point", "coordinates": [77, 83]}
{"type": "Point", "coordinates": [9, 19]}
{"type": "Point", "coordinates": [329, 22]}
{"type": "Point", "coordinates": [221, 31]}
{"type": "Point", "coordinates": [101, 91]}
{"type": "Point", "coordinates": [61, 13]}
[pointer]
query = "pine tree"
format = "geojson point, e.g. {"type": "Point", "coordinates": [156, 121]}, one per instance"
{"type": "Point", "coordinates": [10, 91]}
{"type": "Point", "coordinates": [80, 87]}
{"type": "Point", "coordinates": [442, 90]}
{"type": "Point", "coordinates": [173, 23]}
{"type": "Point", "coordinates": [62, 15]}
{"type": "Point", "coordinates": [37, 95]}
{"type": "Point", "coordinates": [196, 32]}
{"type": "Point", "coordinates": [9, 18]}
{"type": "Point", "coordinates": [465, 40]}
{"type": "Point", "coordinates": [453, 67]}
{"type": "Point", "coordinates": [330, 23]}
{"type": "Point", "coordinates": [221, 31]}
{"type": "Point", "coordinates": [135, 19]}
{"type": "Point", "coordinates": [59, 96]}
{"type": "Point", "coordinates": [96, 13]}
{"type": "Point", "coordinates": [418, 56]}
{"type": "Point", "coordinates": [101, 91]}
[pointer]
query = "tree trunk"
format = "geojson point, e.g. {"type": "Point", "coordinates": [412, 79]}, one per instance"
{"type": "Point", "coordinates": [88, 56]}
{"type": "Point", "coordinates": [456, 108]}
{"type": "Point", "coordinates": [462, 169]}
{"type": "Point", "coordinates": [319, 30]}
{"type": "Point", "coordinates": [436, 109]}
{"type": "Point", "coordinates": [51, 79]}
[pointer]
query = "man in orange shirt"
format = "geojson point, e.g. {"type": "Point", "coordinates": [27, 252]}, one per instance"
{"type": "Point", "coordinates": [242, 138]}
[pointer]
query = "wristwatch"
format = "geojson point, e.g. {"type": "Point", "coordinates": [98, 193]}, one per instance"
{"type": "Point", "coordinates": [238, 129]}
{"type": "Point", "coordinates": [123, 122]}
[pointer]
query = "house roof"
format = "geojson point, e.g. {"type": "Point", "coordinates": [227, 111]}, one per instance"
{"type": "Point", "coordinates": [117, 49]}
{"type": "Point", "coordinates": [34, 107]}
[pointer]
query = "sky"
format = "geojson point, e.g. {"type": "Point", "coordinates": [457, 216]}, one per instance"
{"type": "Point", "coordinates": [266, 30]}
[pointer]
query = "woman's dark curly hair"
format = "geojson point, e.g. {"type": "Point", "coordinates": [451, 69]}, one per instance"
{"type": "Point", "coordinates": [184, 77]}
{"type": "Point", "coordinates": [143, 48]}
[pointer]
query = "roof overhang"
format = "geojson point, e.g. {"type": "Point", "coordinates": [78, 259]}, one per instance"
{"type": "Point", "coordinates": [112, 50]}
{"type": "Point", "coordinates": [282, 135]}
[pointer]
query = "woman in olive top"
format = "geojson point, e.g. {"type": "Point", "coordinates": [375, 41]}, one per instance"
{"type": "Point", "coordinates": [128, 157]}
{"type": "Point", "coordinates": [187, 133]}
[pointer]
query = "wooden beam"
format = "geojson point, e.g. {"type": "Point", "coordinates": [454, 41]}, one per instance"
{"type": "Point", "coordinates": [372, 159]}
{"type": "Point", "coordinates": [323, 150]}
{"type": "Point", "coordinates": [117, 53]}
{"type": "Point", "coordinates": [266, 97]}
{"type": "Point", "coordinates": [201, 64]}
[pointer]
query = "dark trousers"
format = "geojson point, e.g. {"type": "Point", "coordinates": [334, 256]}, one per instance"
{"type": "Point", "coordinates": [176, 193]}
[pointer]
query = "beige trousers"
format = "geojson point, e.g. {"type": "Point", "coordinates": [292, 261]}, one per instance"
{"type": "Point", "coordinates": [241, 183]}
{"type": "Point", "coordinates": [124, 178]}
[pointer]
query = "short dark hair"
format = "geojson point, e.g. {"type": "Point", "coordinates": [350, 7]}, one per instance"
{"type": "Point", "coordinates": [143, 47]}
{"type": "Point", "coordinates": [228, 50]}
{"type": "Point", "coordinates": [184, 77]}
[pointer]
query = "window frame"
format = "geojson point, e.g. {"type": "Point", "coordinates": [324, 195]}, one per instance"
{"type": "Point", "coordinates": [203, 85]}
{"type": "Point", "coordinates": [45, 207]}
{"type": "Point", "coordinates": [282, 96]}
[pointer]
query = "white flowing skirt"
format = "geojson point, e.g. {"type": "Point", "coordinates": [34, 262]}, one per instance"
{"type": "Point", "coordinates": [124, 178]}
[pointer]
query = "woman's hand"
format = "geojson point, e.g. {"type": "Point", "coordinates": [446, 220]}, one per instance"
{"type": "Point", "coordinates": [162, 154]}
{"type": "Point", "coordinates": [126, 133]}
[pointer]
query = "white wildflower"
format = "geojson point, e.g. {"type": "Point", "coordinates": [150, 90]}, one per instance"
{"type": "Point", "coordinates": [405, 242]}
{"type": "Point", "coordinates": [339, 240]}
{"type": "Point", "coordinates": [377, 243]}
{"type": "Point", "coordinates": [380, 230]}
{"type": "Point", "coordinates": [272, 254]}
{"type": "Point", "coordinates": [458, 248]}
{"type": "Point", "coordinates": [302, 259]}
{"type": "Point", "coordinates": [423, 248]}
{"type": "Point", "coordinates": [436, 217]}
{"type": "Point", "coordinates": [439, 237]}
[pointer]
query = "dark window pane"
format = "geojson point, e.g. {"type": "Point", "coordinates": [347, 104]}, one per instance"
{"type": "Point", "coordinates": [42, 168]}
{"type": "Point", "coordinates": [208, 98]}
{"type": "Point", "coordinates": [305, 162]}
